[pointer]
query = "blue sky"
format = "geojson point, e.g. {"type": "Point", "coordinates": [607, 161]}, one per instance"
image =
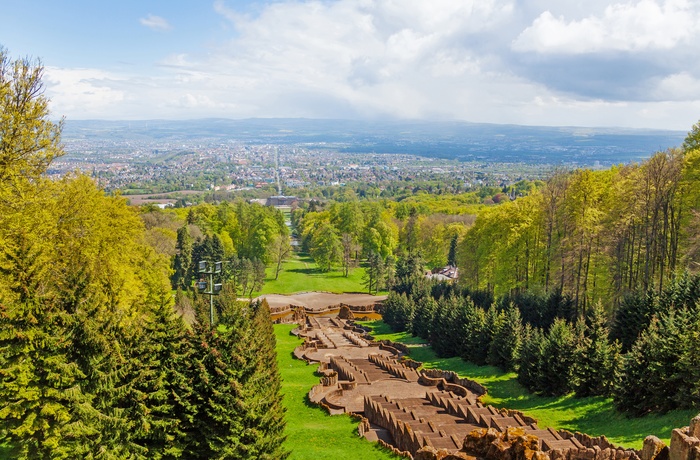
{"type": "Point", "coordinates": [631, 63]}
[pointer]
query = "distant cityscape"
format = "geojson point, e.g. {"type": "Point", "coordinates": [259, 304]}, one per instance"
{"type": "Point", "coordinates": [145, 157]}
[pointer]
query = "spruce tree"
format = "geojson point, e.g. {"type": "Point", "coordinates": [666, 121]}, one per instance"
{"type": "Point", "coordinates": [182, 264]}
{"type": "Point", "coordinates": [531, 360]}
{"type": "Point", "coordinates": [40, 386]}
{"type": "Point", "coordinates": [215, 430]}
{"type": "Point", "coordinates": [653, 377]}
{"type": "Point", "coordinates": [559, 357]}
{"type": "Point", "coordinates": [263, 412]}
{"type": "Point", "coordinates": [507, 340]}
{"type": "Point", "coordinates": [158, 394]}
{"type": "Point", "coordinates": [597, 359]}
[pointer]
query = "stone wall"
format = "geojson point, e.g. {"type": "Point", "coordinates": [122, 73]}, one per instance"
{"type": "Point", "coordinates": [452, 378]}
{"type": "Point", "coordinates": [685, 444]}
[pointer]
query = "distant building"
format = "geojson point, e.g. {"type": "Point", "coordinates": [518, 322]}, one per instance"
{"type": "Point", "coordinates": [282, 200]}
{"type": "Point", "coordinates": [448, 273]}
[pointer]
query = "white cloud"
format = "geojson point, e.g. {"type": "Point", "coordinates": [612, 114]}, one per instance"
{"type": "Point", "coordinates": [83, 93]}
{"type": "Point", "coordinates": [678, 87]}
{"type": "Point", "coordinates": [448, 59]}
{"type": "Point", "coordinates": [155, 23]}
{"type": "Point", "coordinates": [629, 27]}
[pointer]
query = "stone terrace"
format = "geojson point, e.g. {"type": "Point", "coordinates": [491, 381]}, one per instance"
{"type": "Point", "coordinates": [419, 412]}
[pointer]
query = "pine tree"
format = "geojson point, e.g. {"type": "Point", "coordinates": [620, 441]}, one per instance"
{"type": "Point", "coordinates": [653, 377]}
{"type": "Point", "coordinates": [507, 340]}
{"type": "Point", "coordinates": [531, 360]}
{"type": "Point", "coordinates": [182, 264]}
{"type": "Point", "coordinates": [632, 317]}
{"type": "Point", "coordinates": [40, 387]}
{"type": "Point", "coordinates": [597, 359]}
{"type": "Point", "coordinates": [157, 399]}
{"type": "Point", "coordinates": [475, 331]}
{"type": "Point", "coordinates": [452, 254]}
{"type": "Point", "coordinates": [215, 430]}
{"type": "Point", "coordinates": [559, 357]}
{"type": "Point", "coordinates": [262, 401]}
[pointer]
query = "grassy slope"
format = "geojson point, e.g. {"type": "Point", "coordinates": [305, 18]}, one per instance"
{"type": "Point", "coordinates": [594, 416]}
{"type": "Point", "coordinates": [300, 274]}
{"type": "Point", "coordinates": [312, 433]}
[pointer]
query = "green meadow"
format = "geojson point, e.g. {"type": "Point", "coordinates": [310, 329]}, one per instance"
{"type": "Point", "coordinates": [311, 433]}
{"type": "Point", "coordinates": [594, 416]}
{"type": "Point", "coordinates": [300, 274]}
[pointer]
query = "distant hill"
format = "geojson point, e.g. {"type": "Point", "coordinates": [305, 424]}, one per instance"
{"type": "Point", "coordinates": [454, 140]}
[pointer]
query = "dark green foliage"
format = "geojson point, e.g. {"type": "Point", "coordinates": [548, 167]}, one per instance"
{"type": "Point", "coordinates": [398, 311]}
{"type": "Point", "coordinates": [452, 254]}
{"type": "Point", "coordinates": [504, 350]}
{"type": "Point", "coordinates": [597, 360]}
{"type": "Point", "coordinates": [654, 373]}
{"type": "Point", "coordinates": [476, 333]}
{"type": "Point", "coordinates": [445, 337]}
{"type": "Point", "coordinates": [409, 273]}
{"type": "Point", "coordinates": [632, 317]}
{"type": "Point", "coordinates": [182, 264]}
{"type": "Point", "coordinates": [39, 384]}
{"type": "Point", "coordinates": [531, 361]}
{"type": "Point", "coordinates": [263, 435]}
{"type": "Point", "coordinates": [423, 316]}
{"type": "Point", "coordinates": [558, 359]}
{"type": "Point", "coordinates": [158, 394]}
{"type": "Point", "coordinates": [540, 310]}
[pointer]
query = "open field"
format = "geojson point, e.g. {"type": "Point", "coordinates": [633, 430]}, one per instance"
{"type": "Point", "coordinates": [595, 416]}
{"type": "Point", "coordinates": [312, 433]}
{"type": "Point", "coordinates": [301, 274]}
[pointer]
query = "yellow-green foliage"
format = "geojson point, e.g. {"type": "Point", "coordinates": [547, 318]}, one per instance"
{"type": "Point", "coordinates": [593, 234]}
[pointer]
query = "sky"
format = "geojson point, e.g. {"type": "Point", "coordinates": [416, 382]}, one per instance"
{"type": "Point", "coordinates": [530, 62]}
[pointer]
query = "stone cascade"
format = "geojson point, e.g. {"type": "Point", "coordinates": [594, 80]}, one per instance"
{"type": "Point", "coordinates": [442, 420]}
{"type": "Point", "coordinates": [394, 367]}
{"type": "Point", "coordinates": [324, 341]}
{"type": "Point", "coordinates": [356, 339]}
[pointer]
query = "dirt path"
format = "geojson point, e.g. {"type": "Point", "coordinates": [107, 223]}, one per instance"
{"type": "Point", "coordinates": [321, 300]}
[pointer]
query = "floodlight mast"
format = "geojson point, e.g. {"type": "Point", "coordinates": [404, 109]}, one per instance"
{"type": "Point", "coordinates": [210, 289]}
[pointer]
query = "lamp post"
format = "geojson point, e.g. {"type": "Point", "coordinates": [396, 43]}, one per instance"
{"type": "Point", "coordinates": [210, 289]}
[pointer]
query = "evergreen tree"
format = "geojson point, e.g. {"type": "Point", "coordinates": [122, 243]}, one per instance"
{"type": "Point", "coordinates": [653, 377]}
{"type": "Point", "coordinates": [398, 311]}
{"type": "Point", "coordinates": [40, 386]}
{"type": "Point", "coordinates": [158, 395]}
{"type": "Point", "coordinates": [452, 254]}
{"type": "Point", "coordinates": [505, 347]}
{"type": "Point", "coordinates": [182, 264]}
{"type": "Point", "coordinates": [559, 358]}
{"type": "Point", "coordinates": [597, 359]}
{"type": "Point", "coordinates": [445, 340]}
{"type": "Point", "coordinates": [531, 360]}
{"type": "Point", "coordinates": [215, 431]}
{"type": "Point", "coordinates": [632, 317]}
{"type": "Point", "coordinates": [476, 334]}
{"type": "Point", "coordinates": [262, 402]}
{"type": "Point", "coordinates": [423, 317]}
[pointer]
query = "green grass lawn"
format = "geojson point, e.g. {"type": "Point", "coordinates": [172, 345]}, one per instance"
{"type": "Point", "coordinates": [312, 433]}
{"type": "Point", "coordinates": [595, 416]}
{"type": "Point", "coordinates": [301, 274]}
